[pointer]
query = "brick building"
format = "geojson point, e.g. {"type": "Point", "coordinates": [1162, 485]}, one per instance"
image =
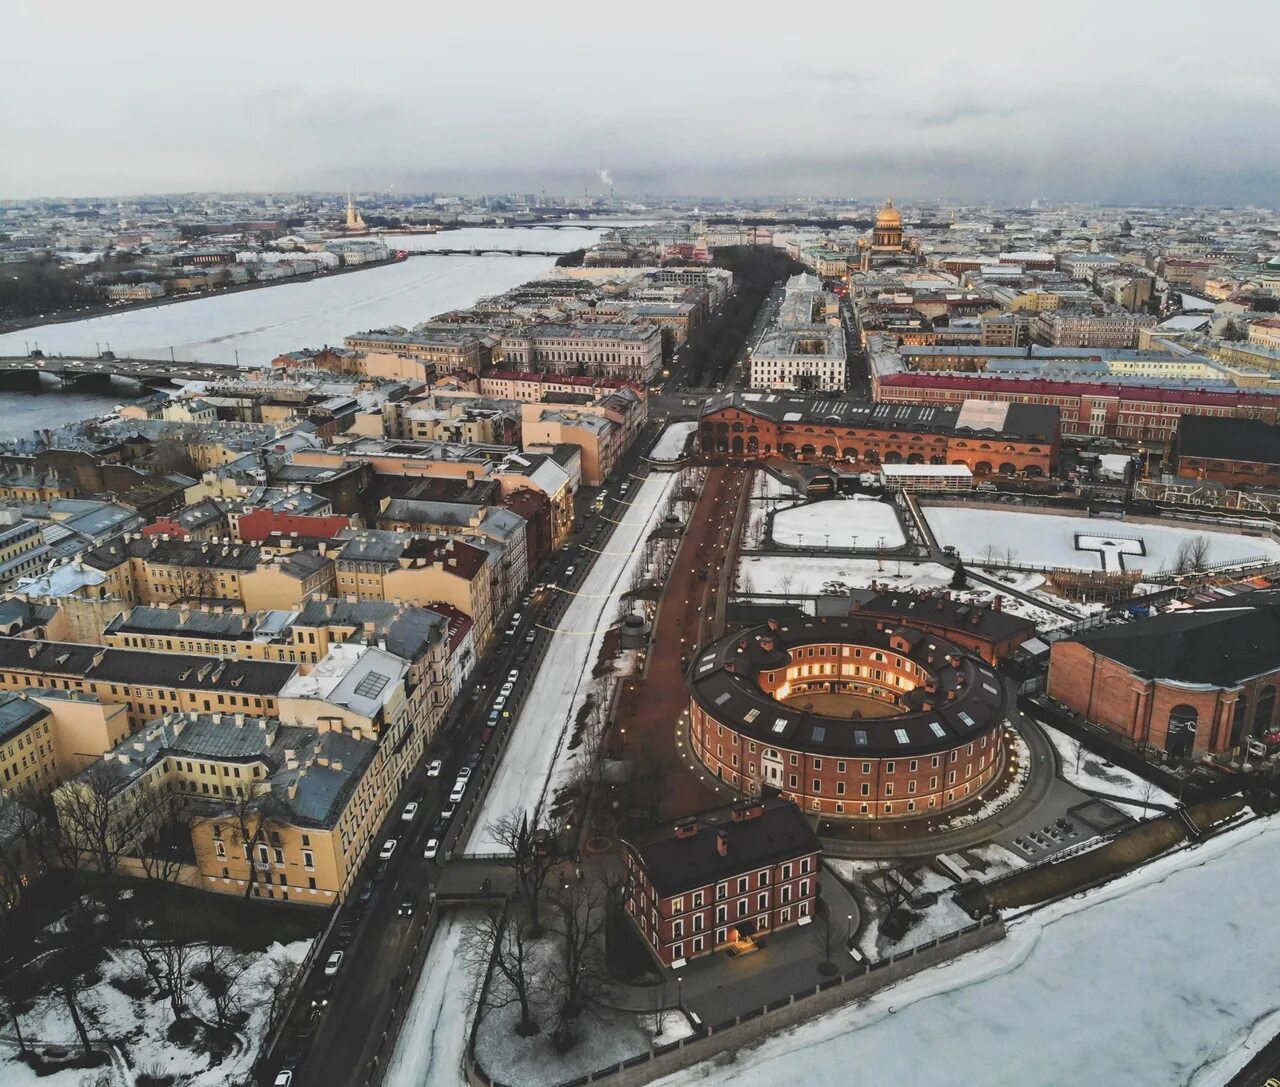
{"type": "Point", "coordinates": [722, 878]}
{"type": "Point", "coordinates": [990, 632]}
{"type": "Point", "coordinates": [1187, 682]}
{"type": "Point", "coordinates": [1233, 452]}
{"type": "Point", "coordinates": [857, 718]}
{"type": "Point", "coordinates": [986, 437]}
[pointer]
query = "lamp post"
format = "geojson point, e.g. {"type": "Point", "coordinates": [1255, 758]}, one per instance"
{"type": "Point", "coordinates": [679, 991]}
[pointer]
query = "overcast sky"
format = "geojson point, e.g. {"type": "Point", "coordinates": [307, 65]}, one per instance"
{"type": "Point", "coordinates": [1120, 101]}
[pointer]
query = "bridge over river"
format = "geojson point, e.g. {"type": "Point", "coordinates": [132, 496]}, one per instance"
{"type": "Point", "coordinates": [71, 371]}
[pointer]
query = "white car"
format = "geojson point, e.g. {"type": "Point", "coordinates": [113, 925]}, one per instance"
{"type": "Point", "coordinates": [388, 847]}
{"type": "Point", "coordinates": [332, 963]}
{"type": "Point", "coordinates": [513, 675]}
{"type": "Point", "coordinates": [464, 773]}
{"type": "Point", "coordinates": [500, 701]}
{"type": "Point", "coordinates": [569, 573]}
{"type": "Point", "coordinates": [459, 787]}
{"type": "Point", "coordinates": [283, 1078]}
{"type": "Point", "coordinates": [433, 847]}
{"type": "Point", "coordinates": [434, 767]}
{"type": "Point", "coordinates": [507, 688]}
{"type": "Point", "coordinates": [410, 812]}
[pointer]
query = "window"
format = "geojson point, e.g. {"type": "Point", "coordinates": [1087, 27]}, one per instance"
{"type": "Point", "coordinates": [677, 904]}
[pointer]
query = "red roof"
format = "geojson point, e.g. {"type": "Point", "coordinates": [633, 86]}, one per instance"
{"type": "Point", "coordinates": [1044, 387]}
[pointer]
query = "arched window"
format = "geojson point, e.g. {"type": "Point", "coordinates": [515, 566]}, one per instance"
{"type": "Point", "coordinates": [982, 468]}
{"type": "Point", "coordinates": [1180, 738]}
{"type": "Point", "coordinates": [893, 457]}
{"type": "Point", "coordinates": [1264, 709]}
{"type": "Point", "coordinates": [850, 453]}
{"type": "Point", "coordinates": [753, 444]}
{"type": "Point", "coordinates": [915, 458]}
{"type": "Point", "coordinates": [737, 443]}
{"type": "Point", "coordinates": [1007, 469]}
{"type": "Point", "coordinates": [828, 450]}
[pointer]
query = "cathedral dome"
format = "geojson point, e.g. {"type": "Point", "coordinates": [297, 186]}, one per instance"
{"type": "Point", "coordinates": [888, 216]}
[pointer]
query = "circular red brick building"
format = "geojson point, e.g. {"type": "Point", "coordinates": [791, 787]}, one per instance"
{"type": "Point", "coordinates": [852, 718]}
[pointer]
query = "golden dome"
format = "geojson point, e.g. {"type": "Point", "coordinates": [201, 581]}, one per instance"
{"type": "Point", "coordinates": [888, 216]}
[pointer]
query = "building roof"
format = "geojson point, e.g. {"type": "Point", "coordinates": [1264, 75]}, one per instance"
{"type": "Point", "coordinates": [1220, 438]}
{"type": "Point", "coordinates": [1219, 644]}
{"type": "Point", "coordinates": [672, 863]}
{"type": "Point", "coordinates": [969, 700]}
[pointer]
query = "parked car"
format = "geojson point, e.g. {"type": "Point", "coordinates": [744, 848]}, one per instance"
{"type": "Point", "coordinates": [388, 847]}
{"type": "Point", "coordinates": [437, 831]}
{"type": "Point", "coordinates": [507, 688]}
{"type": "Point", "coordinates": [464, 773]}
{"type": "Point", "coordinates": [531, 637]}
{"type": "Point", "coordinates": [410, 812]}
{"type": "Point", "coordinates": [449, 810]}
{"type": "Point", "coordinates": [434, 767]}
{"type": "Point", "coordinates": [513, 675]}
{"type": "Point", "coordinates": [346, 933]}
{"type": "Point", "coordinates": [486, 734]}
{"type": "Point", "coordinates": [568, 574]}
{"type": "Point", "coordinates": [284, 1078]}
{"type": "Point", "coordinates": [366, 893]}
{"type": "Point", "coordinates": [433, 847]}
{"type": "Point", "coordinates": [332, 964]}
{"type": "Point", "coordinates": [455, 795]}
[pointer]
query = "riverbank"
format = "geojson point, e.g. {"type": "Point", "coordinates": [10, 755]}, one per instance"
{"type": "Point", "coordinates": [109, 309]}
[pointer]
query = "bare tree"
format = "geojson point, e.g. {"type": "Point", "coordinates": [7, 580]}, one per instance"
{"type": "Point", "coordinates": [785, 582]}
{"type": "Point", "coordinates": [223, 976]}
{"type": "Point", "coordinates": [1192, 555]}
{"type": "Point", "coordinates": [989, 555]}
{"type": "Point", "coordinates": [24, 841]}
{"type": "Point", "coordinates": [580, 918]}
{"type": "Point", "coordinates": [502, 939]}
{"type": "Point", "coordinates": [90, 818]}
{"type": "Point", "coordinates": [276, 989]}
{"type": "Point", "coordinates": [13, 1006]}
{"type": "Point", "coordinates": [532, 853]}
{"type": "Point", "coordinates": [1010, 555]}
{"type": "Point", "coordinates": [825, 937]}
{"type": "Point", "coordinates": [1077, 749]}
{"type": "Point", "coordinates": [250, 816]}
{"type": "Point", "coordinates": [156, 815]}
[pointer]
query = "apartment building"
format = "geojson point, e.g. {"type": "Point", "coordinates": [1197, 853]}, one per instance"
{"type": "Point", "coordinates": [599, 438]}
{"type": "Point", "coordinates": [629, 351]}
{"type": "Point", "coordinates": [46, 735]}
{"type": "Point", "coordinates": [1088, 330]}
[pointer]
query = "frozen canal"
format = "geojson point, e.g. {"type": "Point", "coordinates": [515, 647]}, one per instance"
{"type": "Point", "coordinates": [1083, 543]}
{"type": "Point", "coordinates": [263, 323]}
{"type": "Point", "coordinates": [1155, 979]}
{"type": "Point", "coordinates": [564, 675]}
{"type": "Point", "coordinates": [433, 1037]}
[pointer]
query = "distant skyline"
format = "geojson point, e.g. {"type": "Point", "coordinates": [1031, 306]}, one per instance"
{"type": "Point", "coordinates": [1140, 102]}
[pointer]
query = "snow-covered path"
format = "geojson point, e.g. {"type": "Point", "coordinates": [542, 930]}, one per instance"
{"type": "Point", "coordinates": [1164, 976]}
{"type": "Point", "coordinates": [564, 676]}
{"type": "Point", "coordinates": [433, 1037]}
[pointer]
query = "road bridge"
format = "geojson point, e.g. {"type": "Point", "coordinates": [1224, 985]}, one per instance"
{"type": "Point", "coordinates": [72, 371]}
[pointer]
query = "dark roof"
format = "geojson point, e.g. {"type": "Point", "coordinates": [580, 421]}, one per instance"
{"type": "Point", "coordinates": [1220, 644]}
{"type": "Point", "coordinates": [939, 609]}
{"type": "Point", "coordinates": [196, 553]}
{"type": "Point", "coordinates": [1221, 438]}
{"type": "Point", "coordinates": [144, 668]}
{"type": "Point", "coordinates": [969, 700]}
{"type": "Point", "coordinates": [17, 714]}
{"type": "Point", "coordinates": [674, 864]}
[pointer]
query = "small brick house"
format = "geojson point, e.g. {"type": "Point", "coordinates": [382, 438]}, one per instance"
{"type": "Point", "coordinates": [722, 877]}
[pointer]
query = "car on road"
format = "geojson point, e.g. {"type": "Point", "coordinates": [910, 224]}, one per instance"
{"type": "Point", "coordinates": [513, 675]}
{"type": "Point", "coordinates": [569, 573]}
{"type": "Point", "coordinates": [433, 847]}
{"type": "Point", "coordinates": [464, 773]}
{"type": "Point", "coordinates": [388, 847]}
{"type": "Point", "coordinates": [323, 992]}
{"type": "Point", "coordinates": [455, 794]}
{"type": "Point", "coordinates": [407, 905]}
{"type": "Point", "coordinates": [530, 637]}
{"type": "Point", "coordinates": [500, 701]}
{"type": "Point", "coordinates": [284, 1078]}
{"type": "Point", "coordinates": [437, 831]}
{"type": "Point", "coordinates": [410, 812]}
{"type": "Point", "coordinates": [346, 933]}
{"type": "Point", "coordinates": [494, 717]}
{"type": "Point", "coordinates": [486, 734]}
{"type": "Point", "coordinates": [332, 964]}
{"type": "Point", "coordinates": [434, 767]}
{"type": "Point", "coordinates": [507, 688]}
{"type": "Point", "coordinates": [449, 810]}
{"type": "Point", "coordinates": [366, 893]}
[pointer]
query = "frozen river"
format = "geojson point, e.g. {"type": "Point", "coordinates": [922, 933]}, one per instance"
{"type": "Point", "coordinates": [1158, 978]}
{"type": "Point", "coordinates": [263, 323]}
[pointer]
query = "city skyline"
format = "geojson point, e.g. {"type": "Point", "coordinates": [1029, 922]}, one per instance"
{"type": "Point", "coordinates": [1115, 106]}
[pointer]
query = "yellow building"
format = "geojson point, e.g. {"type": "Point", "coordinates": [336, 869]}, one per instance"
{"type": "Point", "coordinates": [147, 684]}
{"type": "Point", "coordinates": [48, 735]}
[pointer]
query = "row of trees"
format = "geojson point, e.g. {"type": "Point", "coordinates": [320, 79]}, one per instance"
{"type": "Point", "coordinates": [543, 951]}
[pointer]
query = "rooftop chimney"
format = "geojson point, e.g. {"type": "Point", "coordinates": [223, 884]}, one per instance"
{"type": "Point", "coordinates": [686, 828]}
{"type": "Point", "coordinates": [722, 843]}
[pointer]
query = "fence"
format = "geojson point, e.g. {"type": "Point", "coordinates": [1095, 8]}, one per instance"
{"type": "Point", "coordinates": [710, 1039]}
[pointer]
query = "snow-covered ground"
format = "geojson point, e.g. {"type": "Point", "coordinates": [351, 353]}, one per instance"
{"type": "Point", "coordinates": [263, 323]}
{"type": "Point", "coordinates": [1083, 768]}
{"type": "Point", "coordinates": [1047, 539]}
{"type": "Point", "coordinates": [433, 1036]}
{"type": "Point", "coordinates": [767, 493]}
{"type": "Point", "coordinates": [1186, 998]}
{"type": "Point", "coordinates": [532, 760]}
{"type": "Point", "coordinates": [671, 444]}
{"type": "Point", "coordinates": [839, 522]}
{"type": "Point", "coordinates": [139, 1026]}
